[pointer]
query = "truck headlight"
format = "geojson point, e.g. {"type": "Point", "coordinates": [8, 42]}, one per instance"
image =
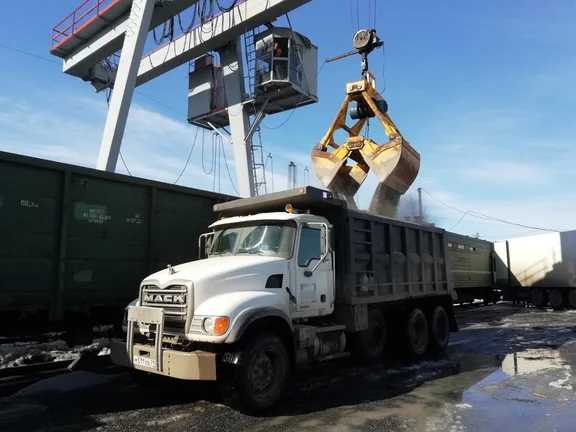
{"type": "Point", "coordinates": [215, 325]}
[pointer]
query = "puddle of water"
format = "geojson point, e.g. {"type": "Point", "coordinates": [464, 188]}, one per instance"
{"type": "Point", "coordinates": [499, 404]}
{"type": "Point", "coordinates": [531, 361]}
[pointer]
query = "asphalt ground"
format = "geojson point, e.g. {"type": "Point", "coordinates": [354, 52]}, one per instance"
{"type": "Point", "coordinates": [508, 369]}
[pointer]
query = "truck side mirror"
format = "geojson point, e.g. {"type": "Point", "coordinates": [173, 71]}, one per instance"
{"type": "Point", "coordinates": [323, 240]}
{"type": "Point", "coordinates": [204, 249]}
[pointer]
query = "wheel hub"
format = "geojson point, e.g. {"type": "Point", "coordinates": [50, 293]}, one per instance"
{"type": "Point", "coordinates": [262, 372]}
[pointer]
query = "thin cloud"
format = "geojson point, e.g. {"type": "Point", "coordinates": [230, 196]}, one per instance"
{"type": "Point", "coordinates": [156, 146]}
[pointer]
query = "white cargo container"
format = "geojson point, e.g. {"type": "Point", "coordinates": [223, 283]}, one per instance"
{"type": "Point", "coordinates": [541, 268]}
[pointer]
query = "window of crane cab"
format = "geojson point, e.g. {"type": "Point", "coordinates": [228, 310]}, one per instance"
{"type": "Point", "coordinates": [309, 248]}
{"type": "Point", "coordinates": [280, 47]}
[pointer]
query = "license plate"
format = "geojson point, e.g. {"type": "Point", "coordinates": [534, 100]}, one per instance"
{"type": "Point", "coordinates": [145, 361]}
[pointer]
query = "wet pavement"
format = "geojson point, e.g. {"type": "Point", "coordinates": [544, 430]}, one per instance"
{"type": "Point", "coordinates": [508, 369]}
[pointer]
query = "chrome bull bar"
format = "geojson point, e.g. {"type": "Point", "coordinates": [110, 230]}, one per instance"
{"type": "Point", "coordinates": [150, 316]}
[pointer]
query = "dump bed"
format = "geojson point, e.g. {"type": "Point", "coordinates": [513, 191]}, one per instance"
{"type": "Point", "coordinates": [378, 259]}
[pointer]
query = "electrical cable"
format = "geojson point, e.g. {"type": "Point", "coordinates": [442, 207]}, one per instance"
{"type": "Point", "coordinates": [228, 169]}
{"type": "Point", "coordinates": [216, 174]}
{"type": "Point", "coordinates": [193, 20]}
{"type": "Point", "coordinates": [124, 163]}
{"type": "Point", "coordinates": [189, 155]}
{"type": "Point", "coordinates": [383, 68]}
{"type": "Point", "coordinates": [294, 109]}
{"type": "Point", "coordinates": [213, 158]}
{"type": "Point", "coordinates": [228, 9]}
{"type": "Point", "coordinates": [459, 220]}
{"type": "Point", "coordinates": [486, 217]}
{"type": "Point", "coordinates": [30, 54]}
{"type": "Point", "coordinates": [272, 169]}
{"type": "Point", "coordinates": [305, 79]}
{"type": "Point", "coordinates": [139, 92]}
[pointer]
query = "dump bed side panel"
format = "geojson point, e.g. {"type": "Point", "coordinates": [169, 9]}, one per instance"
{"type": "Point", "coordinates": [389, 260]}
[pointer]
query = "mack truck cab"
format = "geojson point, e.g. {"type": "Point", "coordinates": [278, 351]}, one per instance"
{"type": "Point", "coordinates": [262, 300]}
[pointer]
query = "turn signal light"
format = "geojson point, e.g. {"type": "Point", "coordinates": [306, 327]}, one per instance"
{"type": "Point", "coordinates": [220, 325]}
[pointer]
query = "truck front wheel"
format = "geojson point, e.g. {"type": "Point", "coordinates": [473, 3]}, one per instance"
{"type": "Point", "coordinates": [258, 382]}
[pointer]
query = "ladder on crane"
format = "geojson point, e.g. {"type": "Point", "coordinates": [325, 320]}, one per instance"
{"type": "Point", "coordinates": [258, 166]}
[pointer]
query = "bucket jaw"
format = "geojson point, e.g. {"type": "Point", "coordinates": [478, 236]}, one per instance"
{"type": "Point", "coordinates": [395, 163]}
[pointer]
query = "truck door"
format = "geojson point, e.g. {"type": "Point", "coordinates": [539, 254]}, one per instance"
{"type": "Point", "coordinates": [314, 282]}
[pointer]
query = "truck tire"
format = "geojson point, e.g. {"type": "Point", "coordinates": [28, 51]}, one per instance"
{"type": "Point", "coordinates": [572, 298]}
{"type": "Point", "coordinates": [538, 297]}
{"type": "Point", "coordinates": [257, 383]}
{"type": "Point", "coordinates": [556, 299]}
{"type": "Point", "coordinates": [417, 336]}
{"type": "Point", "coordinates": [371, 343]}
{"type": "Point", "coordinates": [439, 330]}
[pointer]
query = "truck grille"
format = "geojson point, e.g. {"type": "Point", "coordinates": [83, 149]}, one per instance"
{"type": "Point", "coordinates": [173, 299]}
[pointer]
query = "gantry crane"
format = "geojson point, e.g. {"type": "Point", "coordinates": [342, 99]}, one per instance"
{"type": "Point", "coordinates": [395, 163]}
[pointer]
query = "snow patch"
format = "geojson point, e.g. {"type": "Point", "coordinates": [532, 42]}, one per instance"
{"type": "Point", "coordinates": [463, 405]}
{"type": "Point", "coordinates": [563, 383]}
{"type": "Point", "coordinates": [25, 353]}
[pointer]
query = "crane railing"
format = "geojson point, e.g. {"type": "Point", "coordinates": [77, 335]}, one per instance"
{"type": "Point", "coordinates": [85, 13]}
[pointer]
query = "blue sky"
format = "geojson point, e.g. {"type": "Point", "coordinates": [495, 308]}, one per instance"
{"type": "Point", "coordinates": [485, 91]}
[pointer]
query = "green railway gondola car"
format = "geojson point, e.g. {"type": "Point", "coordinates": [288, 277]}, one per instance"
{"type": "Point", "coordinates": [75, 242]}
{"type": "Point", "coordinates": [471, 261]}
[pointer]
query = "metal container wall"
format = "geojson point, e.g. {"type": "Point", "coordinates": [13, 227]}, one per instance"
{"type": "Point", "coordinates": [390, 260]}
{"type": "Point", "coordinates": [471, 262]}
{"type": "Point", "coordinates": [547, 259]}
{"type": "Point", "coordinates": [75, 239]}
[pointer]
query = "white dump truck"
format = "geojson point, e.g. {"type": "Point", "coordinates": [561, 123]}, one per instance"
{"type": "Point", "coordinates": [285, 280]}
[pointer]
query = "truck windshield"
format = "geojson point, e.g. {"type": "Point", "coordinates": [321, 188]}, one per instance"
{"type": "Point", "coordinates": [263, 238]}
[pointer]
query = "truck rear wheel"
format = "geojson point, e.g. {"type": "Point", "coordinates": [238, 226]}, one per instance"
{"type": "Point", "coordinates": [556, 299]}
{"type": "Point", "coordinates": [572, 299]}
{"type": "Point", "coordinates": [538, 297]}
{"type": "Point", "coordinates": [372, 341]}
{"type": "Point", "coordinates": [259, 381]}
{"type": "Point", "coordinates": [439, 330]}
{"type": "Point", "coordinates": [417, 335]}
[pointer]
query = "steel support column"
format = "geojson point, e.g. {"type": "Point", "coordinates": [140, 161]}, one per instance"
{"type": "Point", "coordinates": [136, 32]}
{"type": "Point", "coordinates": [231, 59]}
